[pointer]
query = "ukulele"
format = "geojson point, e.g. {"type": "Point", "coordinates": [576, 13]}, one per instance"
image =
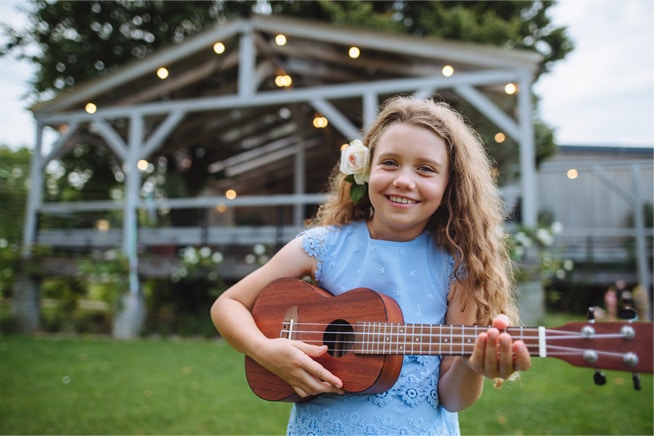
{"type": "Point", "coordinates": [367, 338]}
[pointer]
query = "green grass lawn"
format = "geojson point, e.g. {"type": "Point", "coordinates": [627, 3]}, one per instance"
{"type": "Point", "coordinates": [102, 386]}
{"type": "Point", "coordinates": [52, 385]}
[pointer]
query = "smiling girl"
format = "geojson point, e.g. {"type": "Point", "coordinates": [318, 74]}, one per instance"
{"type": "Point", "coordinates": [413, 214]}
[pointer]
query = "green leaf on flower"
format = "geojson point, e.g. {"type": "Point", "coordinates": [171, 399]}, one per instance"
{"type": "Point", "coordinates": [357, 191]}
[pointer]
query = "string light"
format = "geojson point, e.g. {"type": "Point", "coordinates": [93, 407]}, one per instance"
{"type": "Point", "coordinates": [230, 194]}
{"type": "Point", "coordinates": [102, 225]}
{"type": "Point", "coordinates": [90, 108]}
{"type": "Point", "coordinates": [572, 173]}
{"type": "Point", "coordinates": [219, 48]}
{"type": "Point", "coordinates": [510, 88]}
{"type": "Point", "coordinates": [320, 122]}
{"type": "Point", "coordinates": [142, 165]}
{"type": "Point", "coordinates": [162, 73]}
{"type": "Point", "coordinates": [280, 39]}
{"type": "Point", "coordinates": [354, 52]}
{"type": "Point", "coordinates": [283, 80]}
{"type": "Point", "coordinates": [447, 71]}
{"type": "Point", "coordinates": [500, 137]}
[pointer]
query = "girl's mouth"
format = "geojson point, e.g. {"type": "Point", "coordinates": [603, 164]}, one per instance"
{"type": "Point", "coordinates": [401, 200]}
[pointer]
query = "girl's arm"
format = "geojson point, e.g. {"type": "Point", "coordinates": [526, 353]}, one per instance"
{"type": "Point", "coordinates": [494, 355]}
{"type": "Point", "coordinates": [290, 360]}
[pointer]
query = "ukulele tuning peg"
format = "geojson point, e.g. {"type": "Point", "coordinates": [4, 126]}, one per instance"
{"type": "Point", "coordinates": [636, 380]}
{"type": "Point", "coordinates": [591, 314]}
{"type": "Point", "coordinates": [599, 378]}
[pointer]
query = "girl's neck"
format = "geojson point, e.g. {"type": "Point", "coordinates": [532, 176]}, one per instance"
{"type": "Point", "coordinates": [380, 235]}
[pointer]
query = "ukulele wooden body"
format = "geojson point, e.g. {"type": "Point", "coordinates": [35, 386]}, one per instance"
{"type": "Point", "coordinates": [286, 299]}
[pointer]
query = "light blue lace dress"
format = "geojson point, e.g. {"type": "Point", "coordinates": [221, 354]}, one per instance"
{"type": "Point", "coordinates": [417, 274]}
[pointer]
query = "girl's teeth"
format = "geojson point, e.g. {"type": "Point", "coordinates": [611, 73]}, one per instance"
{"type": "Point", "coordinates": [401, 200]}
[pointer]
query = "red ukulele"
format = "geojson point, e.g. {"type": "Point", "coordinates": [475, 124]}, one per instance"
{"type": "Point", "coordinates": [367, 338]}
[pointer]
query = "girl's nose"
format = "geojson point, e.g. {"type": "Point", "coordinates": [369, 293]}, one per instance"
{"type": "Point", "coordinates": [404, 181]}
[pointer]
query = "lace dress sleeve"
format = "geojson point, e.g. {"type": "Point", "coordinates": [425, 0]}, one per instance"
{"type": "Point", "coordinates": [314, 243]}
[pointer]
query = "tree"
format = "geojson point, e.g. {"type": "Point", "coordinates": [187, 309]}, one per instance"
{"type": "Point", "coordinates": [14, 176]}
{"type": "Point", "coordinates": [513, 24]}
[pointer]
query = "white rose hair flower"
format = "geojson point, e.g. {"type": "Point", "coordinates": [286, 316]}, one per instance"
{"type": "Point", "coordinates": [355, 163]}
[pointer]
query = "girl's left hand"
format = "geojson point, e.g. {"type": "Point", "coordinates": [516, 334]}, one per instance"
{"type": "Point", "coordinates": [496, 355]}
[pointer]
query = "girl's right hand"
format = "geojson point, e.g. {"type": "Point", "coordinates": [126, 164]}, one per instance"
{"type": "Point", "coordinates": [293, 362]}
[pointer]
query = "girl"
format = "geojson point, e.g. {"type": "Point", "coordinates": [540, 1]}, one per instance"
{"type": "Point", "coordinates": [413, 214]}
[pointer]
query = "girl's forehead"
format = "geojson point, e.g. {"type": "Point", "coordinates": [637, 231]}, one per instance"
{"type": "Point", "coordinates": [402, 132]}
{"type": "Point", "coordinates": [415, 140]}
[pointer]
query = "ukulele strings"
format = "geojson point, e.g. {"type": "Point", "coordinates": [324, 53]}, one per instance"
{"type": "Point", "coordinates": [348, 336]}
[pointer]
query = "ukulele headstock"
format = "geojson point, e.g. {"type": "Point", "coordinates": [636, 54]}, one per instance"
{"type": "Point", "coordinates": [620, 346]}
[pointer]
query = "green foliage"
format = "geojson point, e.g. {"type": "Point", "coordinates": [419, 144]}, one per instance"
{"type": "Point", "coordinates": [66, 291]}
{"type": "Point", "coordinates": [512, 24]}
{"type": "Point", "coordinates": [106, 275]}
{"type": "Point", "coordinates": [200, 265]}
{"type": "Point", "coordinates": [81, 40]}
{"type": "Point", "coordinates": [9, 257]}
{"type": "Point", "coordinates": [14, 176]}
{"type": "Point", "coordinates": [11, 264]}
{"type": "Point", "coordinates": [532, 249]}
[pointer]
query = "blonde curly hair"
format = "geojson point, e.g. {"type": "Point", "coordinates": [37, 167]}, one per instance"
{"type": "Point", "coordinates": [468, 223]}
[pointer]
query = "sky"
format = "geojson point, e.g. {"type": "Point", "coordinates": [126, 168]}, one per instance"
{"type": "Point", "coordinates": [600, 94]}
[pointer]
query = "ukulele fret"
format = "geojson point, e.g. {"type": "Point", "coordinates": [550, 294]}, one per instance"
{"type": "Point", "coordinates": [414, 339]}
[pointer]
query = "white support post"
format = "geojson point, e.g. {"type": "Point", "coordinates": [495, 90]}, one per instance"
{"type": "Point", "coordinates": [527, 152]}
{"type": "Point", "coordinates": [299, 181]}
{"type": "Point", "coordinates": [35, 194]}
{"type": "Point", "coordinates": [247, 54]}
{"type": "Point", "coordinates": [370, 104]}
{"type": "Point", "coordinates": [639, 223]}
{"type": "Point", "coordinates": [132, 184]}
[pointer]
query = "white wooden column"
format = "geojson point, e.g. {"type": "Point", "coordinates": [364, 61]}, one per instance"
{"type": "Point", "coordinates": [35, 193]}
{"type": "Point", "coordinates": [641, 241]}
{"type": "Point", "coordinates": [132, 186]}
{"type": "Point", "coordinates": [527, 152]}
{"type": "Point", "coordinates": [299, 181]}
{"type": "Point", "coordinates": [247, 60]}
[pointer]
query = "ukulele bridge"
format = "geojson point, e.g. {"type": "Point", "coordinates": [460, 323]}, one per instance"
{"type": "Point", "coordinates": [289, 324]}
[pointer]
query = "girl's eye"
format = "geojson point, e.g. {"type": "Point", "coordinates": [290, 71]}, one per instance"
{"type": "Point", "coordinates": [389, 162]}
{"type": "Point", "coordinates": [426, 169]}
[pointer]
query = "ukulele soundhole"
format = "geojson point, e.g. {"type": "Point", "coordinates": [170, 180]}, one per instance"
{"type": "Point", "coordinates": [339, 338]}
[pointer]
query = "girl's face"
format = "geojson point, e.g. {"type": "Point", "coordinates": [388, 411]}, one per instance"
{"type": "Point", "coordinates": [408, 176]}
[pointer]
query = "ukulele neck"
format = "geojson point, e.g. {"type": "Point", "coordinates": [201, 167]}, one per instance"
{"type": "Point", "coordinates": [433, 339]}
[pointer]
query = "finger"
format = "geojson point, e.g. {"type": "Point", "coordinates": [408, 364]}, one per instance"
{"type": "Point", "coordinates": [505, 366]}
{"type": "Point", "coordinates": [476, 359]}
{"type": "Point", "coordinates": [301, 392]}
{"type": "Point", "coordinates": [326, 377]}
{"type": "Point", "coordinates": [318, 371]}
{"type": "Point", "coordinates": [311, 350]}
{"type": "Point", "coordinates": [501, 322]}
{"type": "Point", "coordinates": [490, 360]}
{"type": "Point", "coordinates": [522, 361]}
